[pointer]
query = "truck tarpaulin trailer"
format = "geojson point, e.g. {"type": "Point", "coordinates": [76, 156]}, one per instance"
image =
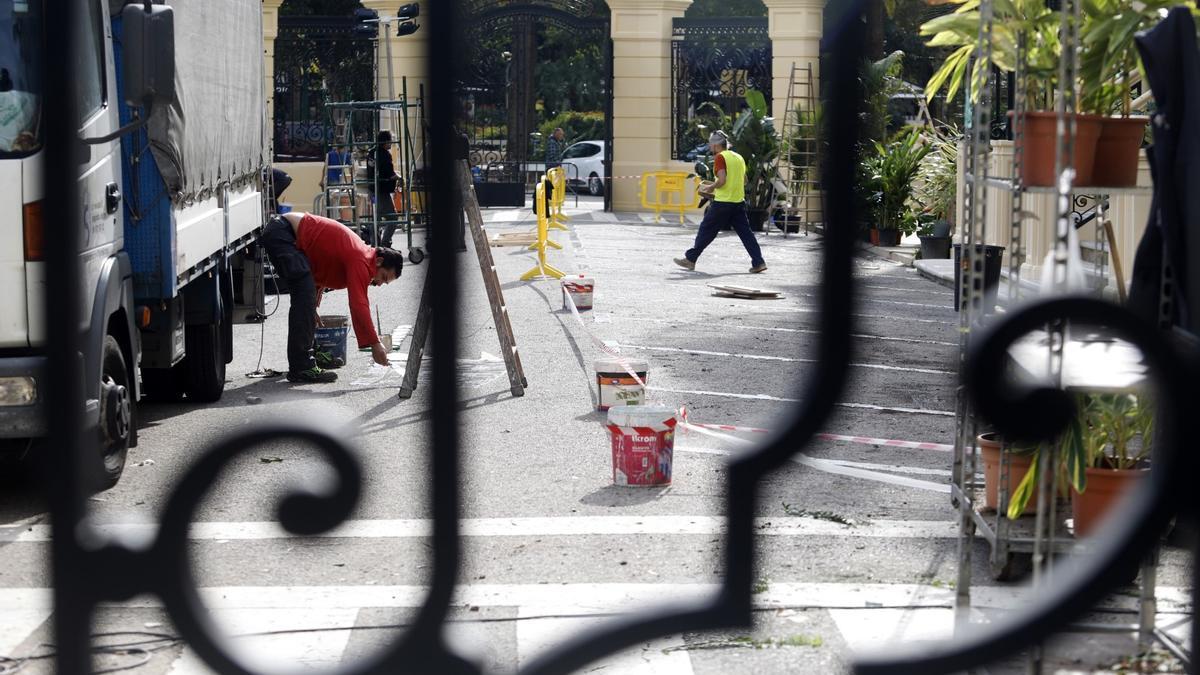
{"type": "Point", "coordinates": [170, 201]}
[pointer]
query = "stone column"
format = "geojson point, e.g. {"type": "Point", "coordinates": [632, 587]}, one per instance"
{"type": "Point", "coordinates": [270, 24]}
{"type": "Point", "coordinates": [795, 28]}
{"type": "Point", "coordinates": [641, 33]}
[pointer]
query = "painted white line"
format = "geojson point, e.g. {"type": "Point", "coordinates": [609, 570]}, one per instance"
{"type": "Point", "coordinates": [890, 302]}
{"type": "Point", "coordinates": [664, 655]}
{"type": "Point", "coordinates": [585, 597]}
{"type": "Point", "coordinates": [920, 291]}
{"type": "Point", "coordinates": [794, 310]}
{"type": "Point", "coordinates": [786, 359]}
{"type": "Point", "coordinates": [17, 623]}
{"type": "Point", "coordinates": [569, 526]}
{"type": "Point", "coordinates": [783, 399]}
{"type": "Point", "coordinates": [860, 336]}
{"type": "Point", "coordinates": [832, 467]}
{"type": "Point", "coordinates": [894, 468]}
{"type": "Point", "coordinates": [310, 651]}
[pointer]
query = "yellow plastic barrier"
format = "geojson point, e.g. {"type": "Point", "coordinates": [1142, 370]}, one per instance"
{"type": "Point", "coordinates": [543, 269]}
{"type": "Point", "coordinates": [668, 193]}
{"type": "Point", "coordinates": [558, 181]}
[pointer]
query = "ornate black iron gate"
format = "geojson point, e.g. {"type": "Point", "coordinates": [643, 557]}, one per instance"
{"type": "Point", "coordinates": [498, 88]}
{"type": "Point", "coordinates": [89, 568]}
{"type": "Point", "coordinates": [318, 60]}
{"type": "Point", "coordinates": [717, 61]}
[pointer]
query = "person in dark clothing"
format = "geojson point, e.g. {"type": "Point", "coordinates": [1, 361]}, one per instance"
{"type": "Point", "coordinates": [277, 181]}
{"type": "Point", "coordinates": [555, 147]}
{"type": "Point", "coordinates": [383, 186]}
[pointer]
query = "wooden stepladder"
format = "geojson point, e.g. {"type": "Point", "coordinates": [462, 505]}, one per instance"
{"type": "Point", "coordinates": [508, 343]}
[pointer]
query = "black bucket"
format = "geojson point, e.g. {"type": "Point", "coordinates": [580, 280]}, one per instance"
{"type": "Point", "coordinates": [993, 259]}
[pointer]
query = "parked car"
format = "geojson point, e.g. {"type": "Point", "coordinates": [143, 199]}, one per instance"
{"type": "Point", "coordinates": [584, 164]}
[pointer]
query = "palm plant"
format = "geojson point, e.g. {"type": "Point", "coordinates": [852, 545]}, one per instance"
{"type": "Point", "coordinates": [752, 135]}
{"type": "Point", "coordinates": [936, 183]}
{"type": "Point", "coordinates": [960, 30]}
{"type": "Point", "coordinates": [892, 170]}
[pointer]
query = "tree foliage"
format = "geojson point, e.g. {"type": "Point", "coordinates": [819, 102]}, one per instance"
{"type": "Point", "coordinates": [716, 9]}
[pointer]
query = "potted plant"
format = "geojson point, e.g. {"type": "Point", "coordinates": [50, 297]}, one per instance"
{"type": "Point", "coordinates": [1038, 138]}
{"type": "Point", "coordinates": [892, 169]}
{"type": "Point", "coordinates": [752, 135]}
{"type": "Point", "coordinates": [1114, 436]}
{"type": "Point", "coordinates": [1108, 61]}
{"type": "Point", "coordinates": [934, 194]}
{"type": "Point", "coordinates": [1021, 459]}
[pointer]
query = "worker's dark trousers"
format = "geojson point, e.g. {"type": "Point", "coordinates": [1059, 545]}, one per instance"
{"type": "Point", "coordinates": [719, 215]}
{"type": "Point", "coordinates": [279, 239]}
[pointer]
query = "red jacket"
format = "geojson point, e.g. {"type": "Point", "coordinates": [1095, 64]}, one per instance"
{"type": "Point", "coordinates": [340, 259]}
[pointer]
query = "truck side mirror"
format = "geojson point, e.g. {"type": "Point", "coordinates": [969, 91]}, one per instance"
{"type": "Point", "coordinates": [149, 54]}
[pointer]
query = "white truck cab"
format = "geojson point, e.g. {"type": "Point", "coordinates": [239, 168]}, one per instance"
{"type": "Point", "coordinates": [167, 210]}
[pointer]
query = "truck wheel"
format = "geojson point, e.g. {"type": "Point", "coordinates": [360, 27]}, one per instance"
{"type": "Point", "coordinates": [116, 412]}
{"type": "Point", "coordinates": [204, 365]}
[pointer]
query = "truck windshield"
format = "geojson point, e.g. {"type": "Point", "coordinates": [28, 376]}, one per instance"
{"type": "Point", "coordinates": [21, 40]}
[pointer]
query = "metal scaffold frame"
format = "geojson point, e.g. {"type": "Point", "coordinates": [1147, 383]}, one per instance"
{"type": "Point", "coordinates": [357, 126]}
{"type": "Point", "coordinates": [1029, 539]}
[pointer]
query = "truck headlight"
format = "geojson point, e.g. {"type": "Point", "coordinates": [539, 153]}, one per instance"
{"type": "Point", "coordinates": [17, 391]}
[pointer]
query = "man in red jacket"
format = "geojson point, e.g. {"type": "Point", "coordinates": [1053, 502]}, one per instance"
{"type": "Point", "coordinates": [313, 253]}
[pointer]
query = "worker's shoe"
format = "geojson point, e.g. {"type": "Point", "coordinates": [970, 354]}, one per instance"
{"type": "Point", "coordinates": [760, 267]}
{"type": "Point", "coordinates": [327, 361]}
{"type": "Point", "coordinates": [314, 375]}
{"type": "Point", "coordinates": [686, 264]}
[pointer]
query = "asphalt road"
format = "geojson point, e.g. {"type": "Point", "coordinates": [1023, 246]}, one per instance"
{"type": "Point", "coordinates": [857, 542]}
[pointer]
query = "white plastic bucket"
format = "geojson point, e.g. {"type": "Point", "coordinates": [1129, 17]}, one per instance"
{"type": "Point", "coordinates": [614, 384]}
{"type": "Point", "coordinates": [580, 289]}
{"type": "Point", "coordinates": [643, 444]}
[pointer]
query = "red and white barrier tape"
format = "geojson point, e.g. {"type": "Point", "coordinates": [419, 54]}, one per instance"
{"type": "Point", "coordinates": [620, 358]}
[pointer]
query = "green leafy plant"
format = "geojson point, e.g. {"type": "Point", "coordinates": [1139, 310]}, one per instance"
{"type": "Point", "coordinates": [960, 31]}
{"type": "Point", "coordinates": [936, 184]}
{"type": "Point", "coordinates": [891, 169]}
{"type": "Point", "coordinates": [752, 135]}
{"type": "Point", "coordinates": [576, 126]}
{"type": "Point", "coordinates": [1110, 54]}
{"type": "Point", "coordinates": [1111, 431]}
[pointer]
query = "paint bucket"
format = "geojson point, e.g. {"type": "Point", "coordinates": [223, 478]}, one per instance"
{"type": "Point", "coordinates": [580, 289]}
{"type": "Point", "coordinates": [643, 443]}
{"type": "Point", "coordinates": [331, 335]}
{"type": "Point", "coordinates": [614, 384]}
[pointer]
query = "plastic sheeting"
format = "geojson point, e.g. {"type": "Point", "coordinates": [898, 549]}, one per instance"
{"type": "Point", "coordinates": [215, 132]}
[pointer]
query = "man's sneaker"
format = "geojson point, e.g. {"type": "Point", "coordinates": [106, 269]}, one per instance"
{"type": "Point", "coordinates": [686, 264]}
{"type": "Point", "coordinates": [760, 267]}
{"type": "Point", "coordinates": [327, 360]}
{"type": "Point", "coordinates": [314, 375]}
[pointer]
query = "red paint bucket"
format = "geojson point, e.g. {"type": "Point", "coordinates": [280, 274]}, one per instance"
{"type": "Point", "coordinates": [643, 444]}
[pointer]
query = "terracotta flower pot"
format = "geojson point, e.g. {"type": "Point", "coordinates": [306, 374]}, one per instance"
{"type": "Point", "coordinates": [1118, 150]}
{"type": "Point", "coordinates": [885, 237]}
{"type": "Point", "coordinates": [1105, 487]}
{"type": "Point", "coordinates": [1018, 466]}
{"type": "Point", "coordinates": [1038, 146]}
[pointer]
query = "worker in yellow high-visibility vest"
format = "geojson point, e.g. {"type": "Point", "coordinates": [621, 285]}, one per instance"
{"type": "Point", "coordinates": [728, 194]}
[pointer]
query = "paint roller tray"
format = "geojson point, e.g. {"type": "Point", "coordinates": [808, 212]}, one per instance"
{"type": "Point", "coordinates": [744, 292]}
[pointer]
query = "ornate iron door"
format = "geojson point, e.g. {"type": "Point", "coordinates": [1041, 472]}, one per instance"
{"type": "Point", "coordinates": [499, 87]}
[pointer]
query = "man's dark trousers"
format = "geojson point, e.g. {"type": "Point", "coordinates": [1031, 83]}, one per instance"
{"type": "Point", "coordinates": [279, 239]}
{"type": "Point", "coordinates": [719, 215]}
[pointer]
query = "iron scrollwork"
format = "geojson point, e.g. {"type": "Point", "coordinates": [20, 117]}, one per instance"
{"type": "Point", "coordinates": [86, 574]}
{"type": "Point", "coordinates": [714, 61]}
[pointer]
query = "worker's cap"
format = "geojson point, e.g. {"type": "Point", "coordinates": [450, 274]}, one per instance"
{"type": "Point", "coordinates": [718, 136]}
